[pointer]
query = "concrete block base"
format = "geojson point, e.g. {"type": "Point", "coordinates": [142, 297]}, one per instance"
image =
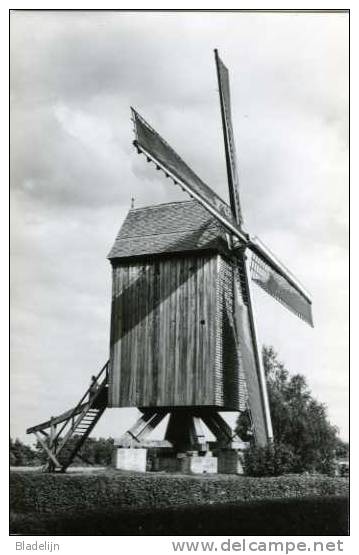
{"type": "Point", "coordinates": [197, 464]}
{"type": "Point", "coordinates": [130, 459]}
{"type": "Point", "coordinates": [229, 462]}
{"type": "Point", "coordinates": [164, 462]}
{"type": "Point", "coordinates": [140, 459]}
{"type": "Point", "coordinates": [185, 463]}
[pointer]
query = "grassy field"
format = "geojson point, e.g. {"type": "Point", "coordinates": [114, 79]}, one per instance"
{"type": "Point", "coordinates": [116, 503]}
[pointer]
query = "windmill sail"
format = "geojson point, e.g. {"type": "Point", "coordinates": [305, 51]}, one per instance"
{"type": "Point", "coordinates": [245, 332]}
{"type": "Point", "coordinates": [250, 360]}
{"type": "Point", "coordinates": [159, 151]}
{"type": "Point", "coordinates": [272, 277]}
{"type": "Point", "coordinates": [231, 160]}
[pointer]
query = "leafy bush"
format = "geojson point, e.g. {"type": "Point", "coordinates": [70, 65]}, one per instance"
{"type": "Point", "coordinates": [22, 455]}
{"type": "Point", "coordinates": [300, 422]}
{"type": "Point", "coordinates": [273, 460]}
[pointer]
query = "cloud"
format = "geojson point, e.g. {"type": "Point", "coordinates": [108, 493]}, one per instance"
{"type": "Point", "coordinates": [74, 76]}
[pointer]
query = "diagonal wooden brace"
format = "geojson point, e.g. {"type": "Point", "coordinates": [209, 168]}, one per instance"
{"type": "Point", "coordinates": [219, 428]}
{"type": "Point", "coordinates": [50, 453]}
{"type": "Point", "coordinates": [142, 427]}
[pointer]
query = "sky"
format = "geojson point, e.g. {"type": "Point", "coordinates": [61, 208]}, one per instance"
{"type": "Point", "coordinates": [74, 76]}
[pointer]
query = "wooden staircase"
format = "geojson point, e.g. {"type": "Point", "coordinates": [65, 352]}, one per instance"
{"type": "Point", "coordinates": [75, 424]}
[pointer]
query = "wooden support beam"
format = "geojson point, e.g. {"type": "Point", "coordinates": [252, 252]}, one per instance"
{"type": "Point", "coordinates": [52, 433]}
{"type": "Point", "coordinates": [49, 452]}
{"type": "Point", "coordinates": [185, 431]}
{"type": "Point", "coordinates": [142, 427]}
{"type": "Point", "coordinates": [57, 420]}
{"type": "Point", "coordinates": [199, 433]}
{"type": "Point", "coordinates": [179, 430]}
{"type": "Point", "coordinates": [219, 427]}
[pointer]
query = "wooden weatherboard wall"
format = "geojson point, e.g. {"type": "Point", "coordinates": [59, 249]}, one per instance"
{"type": "Point", "coordinates": [171, 341]}
{"type": "Point", "coordinates": [163, 332]}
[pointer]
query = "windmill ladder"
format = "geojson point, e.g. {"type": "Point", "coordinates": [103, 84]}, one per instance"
{"type": "Point", "coordinates": [77, 423]}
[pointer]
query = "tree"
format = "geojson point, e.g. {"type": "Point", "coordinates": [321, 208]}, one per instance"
{"type": "Point", "coordinates": [342, 449]}
{"type": "Point", "coordinates": [22, 454]}
{"type": "Point", "coordinates": [93, 451]}
{"type": "Point", "coordinates": [300, 422]}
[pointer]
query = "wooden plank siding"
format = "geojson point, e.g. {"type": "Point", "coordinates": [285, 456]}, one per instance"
{"type": "Point", "coordinates": [169, 342]}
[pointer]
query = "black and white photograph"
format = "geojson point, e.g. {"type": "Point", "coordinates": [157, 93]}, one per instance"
{"type": "Point", "coordinates": [179, 283]}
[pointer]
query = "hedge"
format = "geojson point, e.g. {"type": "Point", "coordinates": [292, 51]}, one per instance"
{"type": "Point", "coordinates": [35, 492]}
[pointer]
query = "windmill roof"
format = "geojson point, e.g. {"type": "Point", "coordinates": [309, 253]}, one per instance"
{"type": "Point", "coordinates": [168, 228]}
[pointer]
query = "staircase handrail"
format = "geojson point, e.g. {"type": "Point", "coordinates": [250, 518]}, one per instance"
{"type": "Point", "coordinates": [67, 415]}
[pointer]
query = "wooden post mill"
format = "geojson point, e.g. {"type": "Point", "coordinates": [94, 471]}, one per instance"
{"type": "Point", "coordinates": [183, 341]}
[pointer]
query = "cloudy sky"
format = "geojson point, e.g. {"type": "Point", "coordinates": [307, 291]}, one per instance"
{"type": "Point", "coordinates": [74, 171]}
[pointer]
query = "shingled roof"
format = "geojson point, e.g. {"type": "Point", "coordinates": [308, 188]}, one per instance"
{"type": "Point", "coordinates": [165, 228]}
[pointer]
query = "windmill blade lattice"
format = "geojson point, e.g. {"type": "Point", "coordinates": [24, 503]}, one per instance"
{"type": "Point", "coordinates": [231, 157]}
{"type": "Point", "coordinates": [272, 277]}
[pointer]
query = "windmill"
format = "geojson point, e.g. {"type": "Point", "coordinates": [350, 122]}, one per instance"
{"type": "Point", "coordinates": [183, 333]}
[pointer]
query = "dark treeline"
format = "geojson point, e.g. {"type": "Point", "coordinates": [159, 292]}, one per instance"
{"type": "Point", "coordinates": [93, 452]}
